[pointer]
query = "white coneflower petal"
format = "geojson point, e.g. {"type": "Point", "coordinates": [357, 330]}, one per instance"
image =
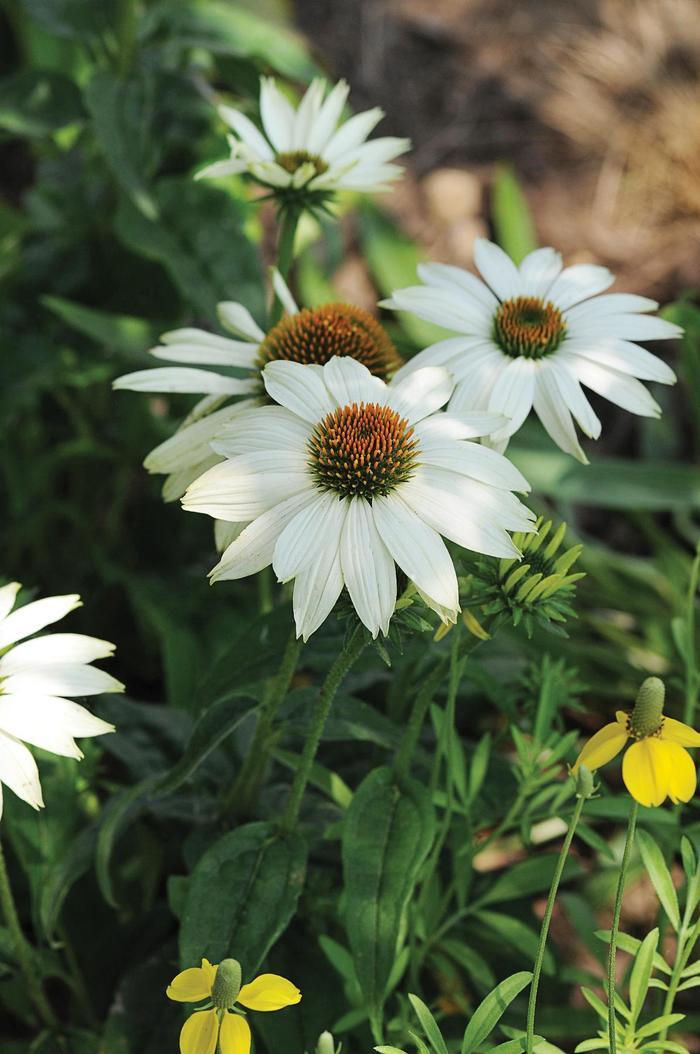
{"type": "Point", "coordinates": [339, 489]}
{"type": "Point", "coordinates": [530, 336]}
{"type": "Point", "coordinates": [34, 675]}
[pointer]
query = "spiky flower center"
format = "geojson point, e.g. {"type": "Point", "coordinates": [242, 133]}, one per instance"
{"type": "Point", "coordinates": [528, 326]}
{"type": "Point", "coordinates": [363, 451]}
{"type": "Point", "coordinates": [316, 335]}
{"type": "Point", "coordinates": [647, 717]}
{"type": "Point", "coordinates": [294, 159]}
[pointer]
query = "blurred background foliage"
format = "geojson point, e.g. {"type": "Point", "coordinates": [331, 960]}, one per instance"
{"type": "Point", "coordinates": [106, 111]}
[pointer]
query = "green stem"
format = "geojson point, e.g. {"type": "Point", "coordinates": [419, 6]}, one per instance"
{"type": "Point", "coordinates": [544, 931]}
{"type": "Point", "coordinates": [615, 929]}
{"type": "Point", "coordinates": [126, 25]}
{"type": "Point", "coordinates": [23, 950]}
{"type": "Point", "coordinates": [285, 255]}
{"type": "Point", "coordinates": [691, 674]}
{"type": "Point", "coordinates": [245, 788]}
{"type": "Point", "coordinates": [347, 658]}
{"type": "Point", "coordinates": [417, 717]}
{"type": "Point", "coordinates": [687, 939]}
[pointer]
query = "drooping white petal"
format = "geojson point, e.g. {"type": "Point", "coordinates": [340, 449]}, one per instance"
{"type": "Point", "coordinates": [318, 524]}
{"type": "Point", "coordinates": [420, 393]}
{"type": "Point", "coordinates": [444, 306]}
{"type": "Point", "coordinates": [449, 507]}
{"type": "Point", "coordinates": [472, 459]}
{"type": "Point", "coordinates": [368, 568]}
{"type": "Point", "coordinates": [183, 379]}
{"type": "Point", "coordinates": [610, 304]}
{"type": "Point", "coordinates": [497, 269]}
{"type": "Point", "coordinates": [350, 134]}
{"type": "Point", "coordinates": [317, 588]}
{"type": "Point", "coordinates": [62, 678]}
{"type": "Point", "coordinates": [623, 356]}
{"type": "Point", "coordinates": [49, 722]}
{"type": "Point", "coordinates": [571, 393]}
{"type": "Point", "coordinates": [300, 388]}
{"type": "Point", "coordinates": [263, 428]}
{"type": "Point", "coordinates": [538, 270]}
{"type": "Point", "coordinates": [277, 115]}
{"type": "Point", "coordinates": [190, 445]}
{"type": "Point", "coordinates": [476, 380]}
{"type": "Point", "coordinates": [32, 617]}
{"type": "Point", "coordinates": [226, 533]}
{"type": "Point", "coordinates": [177, 483]}
{"type": "Point", "coordinates": [513, 391]}
{"type": "Point", "coordinates": [8, 594]}
{"type": "Point", "coordinates": [253, 548]}
{"type": "Point", "coordinates": [247, 486]}
{"type": "Point", "coordinates": [19, 772]}
{"type": "Point", "coordinates": [247, 132]}
{"type": "Point", "coordinates": [220, 169]}
{"type": "Point", "coordinates": [447, 426]}
{"type": "Point", "coordinates": [237, 319]}
{"type": "Point", "coordinates": [578, 282]}
{"type": "Point", "coordinates": [54, 648]}
{"type": "Point", "coordinates": [447, 353]}
{"type": "Point", "coordinates": [418, 549]}
{"type": "Point", "coordinates": [619, 388]}
{"type": "Point", "coordinates": [627, 327]}
{"type": "Point", "coordinates": [348, 381]}
{"type": "Point", "coordinates": [283, 293]}
{"type": "Point", "coordinates": [236, 353]}
{"type": "Point", "coordinates": [555, 416]}
{"type": "Point", "coordinates": [464, 282]}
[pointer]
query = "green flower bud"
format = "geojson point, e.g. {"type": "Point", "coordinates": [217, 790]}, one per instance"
{"type": "Point", "coordinates": [647, 715]}
{"type": "Point", "coordinates": [585, 787]}
{"type": "Point", "coordinates": [227, 984]}
{"type": "Point", "coordinates": [325, 1044]}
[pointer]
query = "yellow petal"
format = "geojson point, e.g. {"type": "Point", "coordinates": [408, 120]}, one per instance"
{"type": "Point", "coordinates": [677, 732]}
{"type": "Point", "coordinates": [200, 1033]}
{"type": "Point", "coordinates": [622, 718]}
{"type": "Point", "coordinates": [645, 770]}
{"type": "Point", "coordinates": [235, 1035]}
{"type": "Point", "coordinates": [209, 972]}
{"type": "Point", "coordinates": [269, 991]}
{"type": "Point", "coordinates": [602, 747]}
{"type": "Point", "coordinates": [190, 986]}
{"type": "Point", "coordinates": [682, 778]}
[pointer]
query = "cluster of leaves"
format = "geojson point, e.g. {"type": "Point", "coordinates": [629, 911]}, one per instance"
{"type": "Point", "coordinates": [416, 881]}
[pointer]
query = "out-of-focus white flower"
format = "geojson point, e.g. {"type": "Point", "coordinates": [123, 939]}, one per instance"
{"type": "Point", "coordinates": [530, 336]}
{"type": "Point", "coordinates": [35, 676]}
{"type": "Point", "coordinates": [349, 476]}
{"type": "Point", "coordinates": [309, 150]}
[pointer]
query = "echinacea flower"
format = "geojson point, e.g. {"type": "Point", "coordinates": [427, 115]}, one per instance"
{"type": "Point", "coordinates": [308, 335]}
{"type": "Point", "coordinates": [35, 675]}
{"type": "Point", "coordinates": [305, 153]}
{"type": "Point", "coordinates": [657, 765]}
{"type": "Point", "coordinates": [349, 475]}
{"type": "Point", "coordinates": [219, 1025]}
{"type": "Point", "coordinates": [530, 336]}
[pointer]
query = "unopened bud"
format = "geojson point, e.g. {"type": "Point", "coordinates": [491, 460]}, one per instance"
{"type": "Point", "coordinates": [325, 1044]}
{"type": "Point", "coordinates": [585, 786]}
{"type": "Point", "coordinates": [648, 712]}
{"type": "Point", "coordinates": [227, 984]}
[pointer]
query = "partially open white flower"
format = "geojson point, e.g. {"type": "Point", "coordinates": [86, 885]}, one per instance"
{"type": "Point", "coordinates": [309, 335]}
{"type": "Point", "coordinates": [530, 336]}
{"type": "Point", "coordinates": [309, 147]}
{"type": "Point", "coordinates": [349, 475]}
{"type": "Point", "coordinates": [35, 675]}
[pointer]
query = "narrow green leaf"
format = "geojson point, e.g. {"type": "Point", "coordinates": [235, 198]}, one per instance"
{"type": "Point", "coordinates": [429, 1025]}
{"type": "Point", "coordinates": [212, 727]}
{"type": "Point", "coordinates": [641, 973]}
{"type": "Point", "coordinates": [123, 333]}
{"type": "Point", "coordinates": [71, 865]}
{"type": "Point", "coordinates": [525, 878]}
{"type": "Point", "coordinates": [627, 943]}
{"type": "Point", "coordinates": [38, 102]}
{"type": "Point", "coordinates": [491, 1010]}
{"type": "Point", "coordinates": [660, 877]}
{"type": "Point", "coordinates": [242, 895]}
{"type": "Point", "coordinates": [659, 1024]}
{"type": "Point", "coordinates": [512, 219]}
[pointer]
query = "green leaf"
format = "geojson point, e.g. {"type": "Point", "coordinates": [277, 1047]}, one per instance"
{"type": "Point", "coordinates": [72, 864]}
{"type": "Point", "coordinates": [595, 1002]}
{"type": "Point", "coordinates": [513, 222]}
{"type": "Point", "coordinates": [242, 895]}
{"type": "Point", "coordinates": [659, 1024]}
{"type": "Point", "coordinates": [122, 115]}
{"type": "Point", "coordinates": [479, 767]}
{"type": "Point", "coordinates": [476, 967]}
{"type": "Point", "coordinates": [193, 239]}
{"type": "Point", "coordinates": [527, 877]}
{"type": "Point", "coordinates": [387, 835]}
{"type": "Point", "coordinates": [660, 877]}
{"type": "Point", "coordinates": [491, 1010]}
{"type": "Point", "coordinates": [516, 934]}
{"type": "Point", "coordinates": [591, 1044]}
{"type": "Point", "coordinates": [429, 1025]}
{"type": "Point", "coordinates": [37, 103]}
{"type": "Point", "coordinates": [641, 973]}
{"type": "Point", "coordinates": [74, 19]}
{"type": "Point", "coordinates": [213, 726]}
{"type": "Point", "coordinates": [123, 333]}
{"type": "Point", "coordinates": [120, 811]}
{"type": "Point", "coordinates": [389, 1050]}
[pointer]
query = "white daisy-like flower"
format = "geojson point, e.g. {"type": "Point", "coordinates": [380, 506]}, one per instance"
{"type": "Point", "coordinates": [309, 149]}
{"type": "Point", "coordinates": [309, 335]}
{"type": "Point", "coordinates": [348, 476]}
{"type": "Point", "coordinates": [35, 676]}
{"type": "Point", "coordinates": [530, 336]}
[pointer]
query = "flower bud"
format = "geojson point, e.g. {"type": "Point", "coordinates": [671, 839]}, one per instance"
{"type": "Point", "coordinates": [585, 787]}
{"type": "Point", "coordinates": [648, 712]}
{"type": "Point", "coordinates": [227, 984]}
{"type": "Point", "coordinates": [325, 1044]}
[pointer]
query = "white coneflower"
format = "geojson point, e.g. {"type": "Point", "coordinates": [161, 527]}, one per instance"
{"type": "Point", "coordinates": [35, 675]}
{"type": "Point", "coordinates": [530, 336]}
{"type": "Point", "coordinates": [348, 476]}
{"type": "Point", "coordinates": [307, 152]}
{"type": "Point", "coordinates": [309, 335]}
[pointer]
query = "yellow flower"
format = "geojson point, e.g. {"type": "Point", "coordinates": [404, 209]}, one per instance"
{"type": "Point", "coordinates": [217, 1022]}
{"type": "Point", "coordinates": [657, 764]}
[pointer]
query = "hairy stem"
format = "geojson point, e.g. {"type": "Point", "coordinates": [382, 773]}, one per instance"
{"type": "Point", "coordinates": [615, 929]}
{"type": "Point", "coordinates": [285, 255]}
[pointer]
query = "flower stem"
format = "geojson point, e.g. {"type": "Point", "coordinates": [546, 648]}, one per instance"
{"type": "Point", "coordinates": [544, 931]}
{"type": "Point", "coordinates": [417, 717]}
{"type": "Point", "coordinates": [285, 255]}
{"type": "Point", "coordinates": [692, 680]}
{"type": "Point", "coordinates": [245, 788]}
{"type": "Point", "coordinates": [687, 939]}
{"type": "Point", "coordinates": [23, 950]}
{"type": "Point", "coordinates": [344, 662]}
{"type": "Point", "coordinates": [612, 952]}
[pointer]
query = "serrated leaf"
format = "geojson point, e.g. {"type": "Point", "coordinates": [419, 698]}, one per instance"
{"type": "Point", "coordinates": [491, 1010]}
